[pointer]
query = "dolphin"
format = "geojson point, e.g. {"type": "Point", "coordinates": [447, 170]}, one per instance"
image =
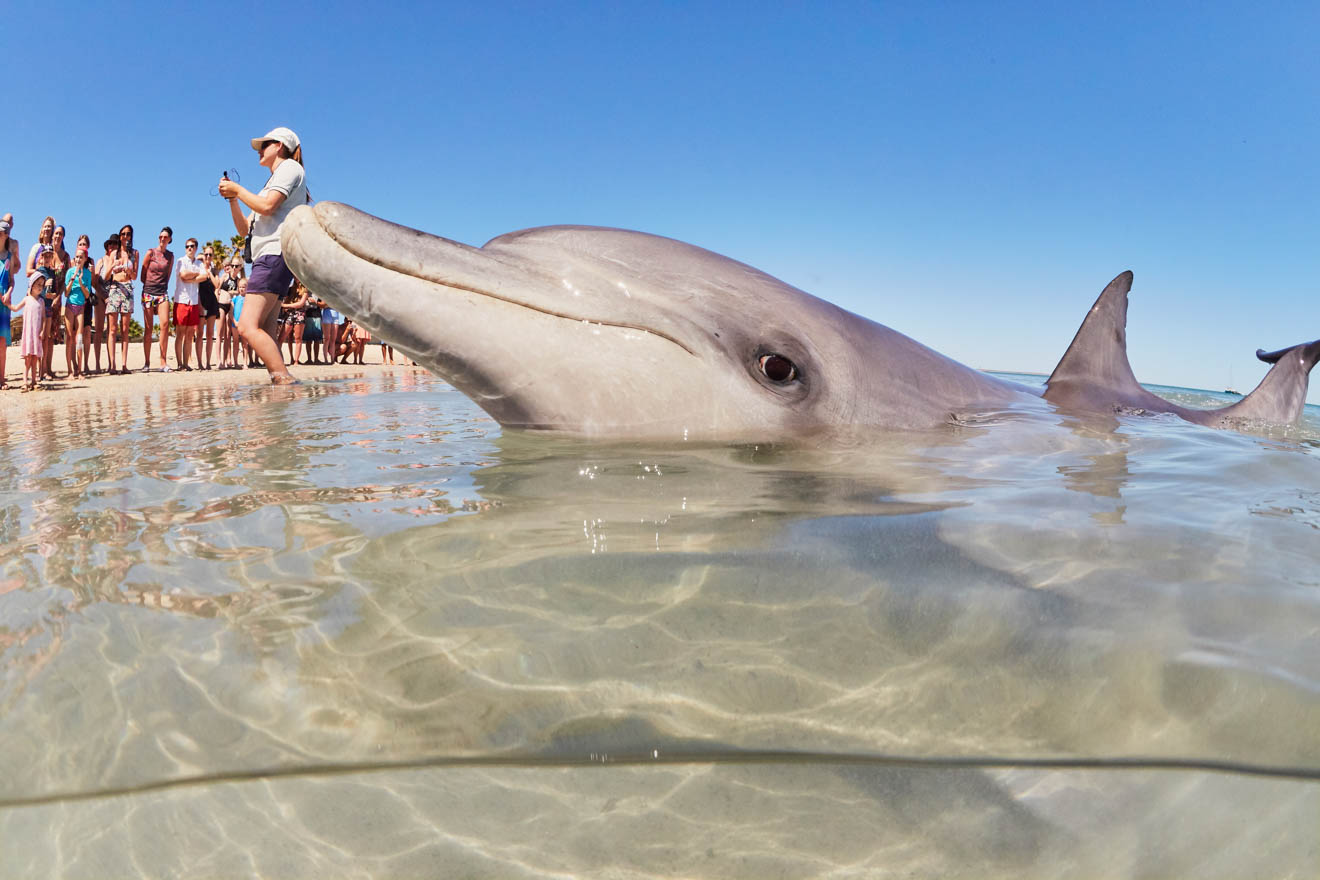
{"type": "Point", "coordinates": [613, 334]}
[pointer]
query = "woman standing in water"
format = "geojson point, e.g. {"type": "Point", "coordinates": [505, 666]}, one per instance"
{"type": "Point", "coordinates": [281, 152]}
{"type": "Point", "coordinates": [157, 267]}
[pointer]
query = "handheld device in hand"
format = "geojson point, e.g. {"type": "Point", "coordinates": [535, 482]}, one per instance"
{"type": "Point", "coordinates": [231, 174]}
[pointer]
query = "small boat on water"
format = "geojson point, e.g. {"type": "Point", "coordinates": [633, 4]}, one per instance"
{"type": "Point", "coordinates": [1230, 389]}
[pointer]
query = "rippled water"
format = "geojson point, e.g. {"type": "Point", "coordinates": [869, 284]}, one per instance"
{"type": "Point", "coordinates": [351, 629]}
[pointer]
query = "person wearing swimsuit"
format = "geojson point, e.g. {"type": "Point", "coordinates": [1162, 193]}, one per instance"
{"type": "Point", "coordinates": [119, 296]}
{"type": "Point", "coordinates": [15, 255]}
{"type": "Point", "coordinates": [102, 277]}
{"type": "Point", "coordinates": [8, 268]}
{"type": "Point", "coordinates": [54, 303]}
{"type": "Point", "coordinates": [157, 267]}
{"type": "Point", "coordinates": [210, 306]}
{"type": "Point", "coordinates": [224, 296]}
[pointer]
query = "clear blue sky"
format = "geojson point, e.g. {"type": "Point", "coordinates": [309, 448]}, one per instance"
{"type": "Point", "coordinates": [970, 174]}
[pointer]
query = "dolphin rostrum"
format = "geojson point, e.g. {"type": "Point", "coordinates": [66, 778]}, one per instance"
{"type": "Point", "coordinates": [608, 333]}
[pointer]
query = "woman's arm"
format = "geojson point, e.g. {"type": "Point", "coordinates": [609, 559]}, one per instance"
{"type": "Point", "coordinates": [265, 202]}
{"type": "Point", "coordinates": [241, 223]}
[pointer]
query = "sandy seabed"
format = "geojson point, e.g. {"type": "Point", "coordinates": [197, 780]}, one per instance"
{"type": "Point", "coordinates": [65, 389]}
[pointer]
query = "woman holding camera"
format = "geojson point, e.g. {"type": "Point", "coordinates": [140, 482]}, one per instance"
{"type": "Point", "coordinates": [281, 152]}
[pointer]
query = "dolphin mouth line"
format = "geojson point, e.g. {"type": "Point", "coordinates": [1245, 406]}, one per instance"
{"type": "Point", "coordinates": [454, 285]}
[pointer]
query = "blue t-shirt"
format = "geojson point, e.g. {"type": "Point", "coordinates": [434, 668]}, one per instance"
{"type": "Point", "coordinates": [4, 286]}
{"type": "Point", "coordinates": [78, 286]}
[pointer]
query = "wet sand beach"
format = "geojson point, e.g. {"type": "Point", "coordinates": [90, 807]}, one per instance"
{"type": "Point", "coordinates": [65, 390]}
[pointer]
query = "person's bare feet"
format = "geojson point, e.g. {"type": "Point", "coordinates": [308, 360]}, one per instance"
{"type": "Point", "coordinates": [283, 379]}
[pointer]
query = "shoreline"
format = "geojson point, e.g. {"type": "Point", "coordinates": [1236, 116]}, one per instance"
{"type": "Point", "coordinates": [66, 390]}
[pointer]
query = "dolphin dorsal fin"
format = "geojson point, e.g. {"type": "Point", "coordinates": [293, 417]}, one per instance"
{"type": "Point", "coordinates": [1280, 396]}
{"type": "Point", "coordinates": [1097, 360]}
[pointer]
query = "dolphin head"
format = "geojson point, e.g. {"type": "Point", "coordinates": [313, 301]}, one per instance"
{"type": "Point", "coordinates": [599, 332]}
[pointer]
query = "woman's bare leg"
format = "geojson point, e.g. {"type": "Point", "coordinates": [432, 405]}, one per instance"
{"type": "Point", "coordinates": [49, 333]}
{"type": "Point", "coordinates": [125, 336]}
{"type": "Point", "coordinates": [210, 343]}
{"type": "Point", "coordinates": [98, 332]}
{"type": "Point", "coordinates": [256, 310]}
{"type": "Point", "coordinates": [72, 336]}
{"type": "Point", "coordinates": [163, 314]}
{"type": "Point", "coordinates": [148, 325]}
{"type": "Point", "coordinates": [331, 332]}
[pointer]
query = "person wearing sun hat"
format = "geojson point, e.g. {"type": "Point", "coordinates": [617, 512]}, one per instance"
{"type": "Point", "coordinates": [280, 151]}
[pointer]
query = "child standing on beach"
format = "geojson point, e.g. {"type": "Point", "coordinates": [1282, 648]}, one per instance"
{"type": "Point", "coordinates": [78, 292]}
{"type": "Point", "coordinates": [33, 310]}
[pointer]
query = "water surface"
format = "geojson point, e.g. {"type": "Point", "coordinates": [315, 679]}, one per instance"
{"type": "Point", "coordinates": [352, 629]}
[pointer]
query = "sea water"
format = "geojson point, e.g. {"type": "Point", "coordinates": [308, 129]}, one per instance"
{"type": "Point", "coordinates": [352, 629]}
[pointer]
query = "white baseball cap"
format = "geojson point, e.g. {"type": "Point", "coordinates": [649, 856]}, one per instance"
{"type": "Point", "coordinates": [281, 134]}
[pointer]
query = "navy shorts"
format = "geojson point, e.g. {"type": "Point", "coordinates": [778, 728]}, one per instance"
{"type": "Point", "coordinates": [270, 275]}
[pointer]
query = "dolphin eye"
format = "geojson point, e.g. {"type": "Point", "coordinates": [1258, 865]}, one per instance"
{"type": "Point", "coordinates": [778, 368]}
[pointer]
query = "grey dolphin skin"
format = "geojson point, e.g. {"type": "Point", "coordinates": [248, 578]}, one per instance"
{"type": "Point", "coordinates": [607, 333]}
{"type": "Point", "coordinates": [1094, 374]}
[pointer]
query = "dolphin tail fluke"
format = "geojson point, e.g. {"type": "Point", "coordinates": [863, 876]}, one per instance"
{"type": "Point", "coordinates": [1280, 396]}
{"type": "Point", "coordinates": [1095, 366]}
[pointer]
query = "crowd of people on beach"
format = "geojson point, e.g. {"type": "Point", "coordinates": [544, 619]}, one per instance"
{"type": "Point", "coordinates": [85, 300]}
{"type": "Point", "coordinates": [87, 303]}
